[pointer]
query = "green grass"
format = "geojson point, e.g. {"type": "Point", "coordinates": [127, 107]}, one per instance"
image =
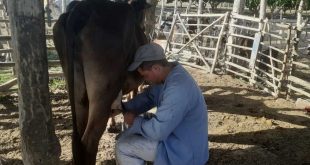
{"type": "Point", "coordinates": [57, 83]}
{"type": "Point", "coordinates": [5, 75]}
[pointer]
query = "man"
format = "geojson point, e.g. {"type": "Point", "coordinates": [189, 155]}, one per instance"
{"type": "Point", "coordinates": [178, 133]}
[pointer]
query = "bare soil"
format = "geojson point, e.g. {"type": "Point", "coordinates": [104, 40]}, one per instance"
{"type": "Point", "coordinates": [246, 126]}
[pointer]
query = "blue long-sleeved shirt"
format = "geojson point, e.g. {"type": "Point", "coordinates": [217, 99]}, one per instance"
{"type": "Point", "coordinates": [180, 122]}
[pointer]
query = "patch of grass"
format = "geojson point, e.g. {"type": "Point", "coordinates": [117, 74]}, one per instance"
{"type": "Point", "coordinates": [5, 75]}
{"type": "Point", "coordinates": [57, 83]}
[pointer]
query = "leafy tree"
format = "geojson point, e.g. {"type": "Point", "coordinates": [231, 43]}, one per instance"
{"type": "Point", "coordinates": [253, 5]}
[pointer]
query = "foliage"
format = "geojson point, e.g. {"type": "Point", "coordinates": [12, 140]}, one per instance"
{"type": "Point", "coordinates": [215, 3]}
{"type": "Point", "coordinates": [57, 83]}
{"type": "Point", "coordinates": [272, 4]}
{"type": "Point", "coordinates": [285, 5]}
{"type": "Point", "coordinates": [253, 5]}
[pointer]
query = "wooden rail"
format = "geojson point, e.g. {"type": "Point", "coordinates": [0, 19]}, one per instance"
{"type": "Point", "coordinates": [51, 63]}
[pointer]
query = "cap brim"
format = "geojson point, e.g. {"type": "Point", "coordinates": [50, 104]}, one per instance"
{"type": "Point", "coordinates": [133, 66]}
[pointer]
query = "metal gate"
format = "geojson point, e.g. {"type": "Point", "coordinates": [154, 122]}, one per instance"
{"type": "Point", "coordinates": [196, 44]}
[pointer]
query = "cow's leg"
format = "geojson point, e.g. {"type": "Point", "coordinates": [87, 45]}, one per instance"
{"type": "Point", "coordinates": [80, 116]}
{"type": "Point", "coordinates": [103, 87]}
{"type": "Point", "coordinates": [99, 112]}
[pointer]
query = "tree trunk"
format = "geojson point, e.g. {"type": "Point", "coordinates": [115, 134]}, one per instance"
{"type": "Point", "coordinates": [39, 143]}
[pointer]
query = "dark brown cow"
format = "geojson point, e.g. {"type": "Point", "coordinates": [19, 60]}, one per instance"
{"type": "Point", "coordinates": [96, 41]}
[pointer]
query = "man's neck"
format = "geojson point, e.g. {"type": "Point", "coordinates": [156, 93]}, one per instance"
{"type": "Point", "coordinates": [166, 70]}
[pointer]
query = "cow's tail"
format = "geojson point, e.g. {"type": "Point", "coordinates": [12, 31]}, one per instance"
{"type": "Point", "coordinates": [75, 23]}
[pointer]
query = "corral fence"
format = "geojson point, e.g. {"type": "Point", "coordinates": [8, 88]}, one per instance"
{"type": "Point", "coordinates": [271, 55]}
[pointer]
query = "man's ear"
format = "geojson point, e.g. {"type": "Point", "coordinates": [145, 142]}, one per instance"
{"type": "Point", "coordinates": [156, 67]}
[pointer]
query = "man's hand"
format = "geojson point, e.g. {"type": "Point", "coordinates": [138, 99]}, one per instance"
{"type": "Point", "coordinates": [129, 118]}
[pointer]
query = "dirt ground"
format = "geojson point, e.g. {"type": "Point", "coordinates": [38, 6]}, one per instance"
{"type": "Point", "coordinates": [246, 126]}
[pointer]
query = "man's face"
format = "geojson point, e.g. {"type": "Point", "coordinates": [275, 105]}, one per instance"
{"type": "Point", "coordinates": [151, 75]}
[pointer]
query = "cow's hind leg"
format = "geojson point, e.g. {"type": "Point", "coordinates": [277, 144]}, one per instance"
{"type": "Point", "coordinates": [102, 89]}
{"type": "Point", "coordinates": [79, 116]}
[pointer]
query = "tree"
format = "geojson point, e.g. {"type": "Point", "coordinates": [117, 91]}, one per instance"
{"type": "Point", "coordinates": [39, 143]}
{"type": "Point", "coordinates": [253, 5]}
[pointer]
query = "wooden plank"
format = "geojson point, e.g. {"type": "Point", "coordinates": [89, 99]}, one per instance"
{"type": "Point", "coordinates": [7, 64]}
{"type": "Point", "coordinates": [56, 74]}
{"type": "Point", "coordinates": [7, 20]}
{"type": "Point", "coordinates": [9, 37]}
{"type": "Point", "coordinates": [4, 20]}
{"type": "Point", "coordinates": [7, 85]}
{"type": "Point", "coordinates": [299, 81]}
{"type": "Point", "coordinates": [5, 37]}
{"type": "Point", "coordinates": [50, 48]}
{"type": "Point", "coordinates": [6, 50]}
{"type": "Point", "coordinates": [49, 36]}
{"type": "Point", "coordinates": [51, 63]}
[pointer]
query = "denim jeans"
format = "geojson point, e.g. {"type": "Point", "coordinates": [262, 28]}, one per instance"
{"type": "Point", "coordinates": [134, 149]}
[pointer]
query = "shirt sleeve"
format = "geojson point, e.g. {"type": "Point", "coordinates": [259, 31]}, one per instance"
{"type": "Point", "coordinates": [169, 114]}
{"type": "Point", "coordinates": [143, 101]}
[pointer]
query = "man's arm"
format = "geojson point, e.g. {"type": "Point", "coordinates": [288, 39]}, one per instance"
{"type": "Point", "coordinates": [143, 101]}
{"type": "Point", "coordinates": [169, 114]}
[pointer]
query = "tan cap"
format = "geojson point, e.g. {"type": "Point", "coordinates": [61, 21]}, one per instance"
{"type": "Point", "coordinates": [147, 52]}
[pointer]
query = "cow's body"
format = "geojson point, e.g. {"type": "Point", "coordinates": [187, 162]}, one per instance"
{"type": "Point", "coordinates": [96, 41]}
